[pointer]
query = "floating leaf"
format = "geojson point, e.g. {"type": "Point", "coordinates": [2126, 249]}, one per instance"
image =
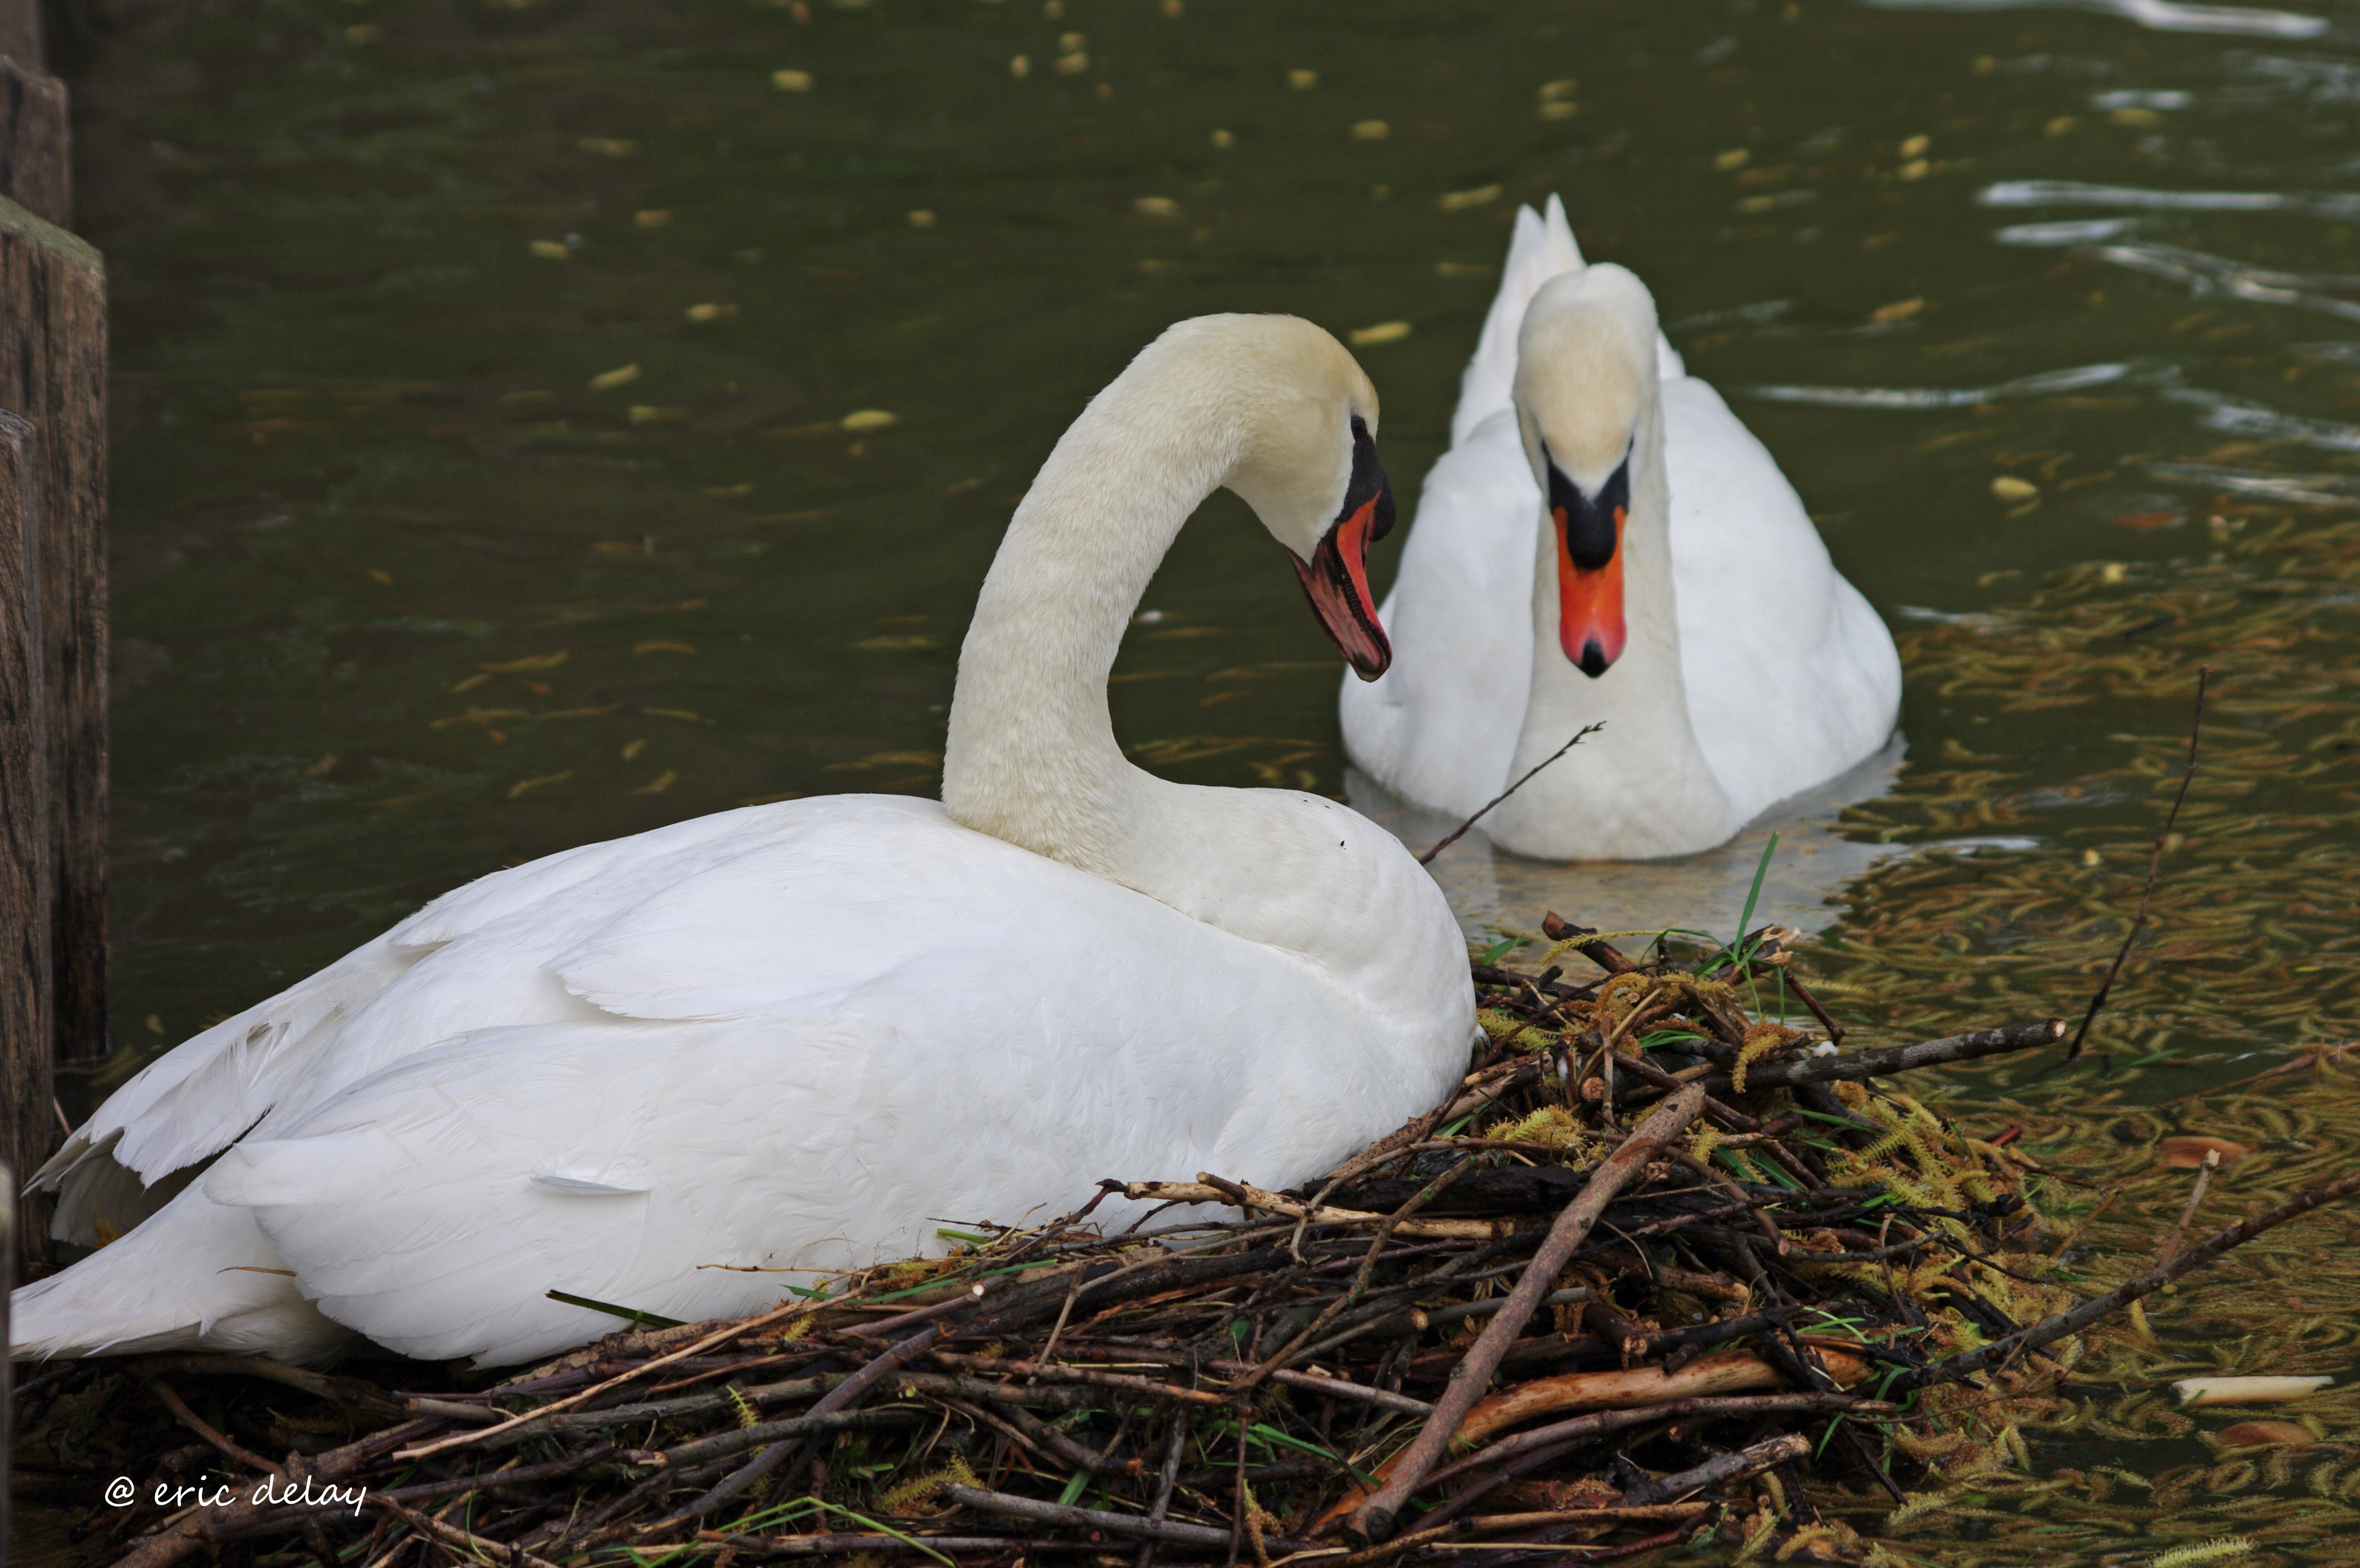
{"type": "Point", "coordinates": [530, 661]}
{"type": "Point", "coordinates": [792, 80]}
{"type": "Point", "coordinates": [2187, 1153]}
{"type": "Point", "coordinates": [861, 420]}
{"type": "Point", "coordinates": [1383, 332]}
{"type": "Point", "coordinates": [522, 786]}
{"type": "Point", "coordinates": [621, 376]}
{"type": "Point", "coordinates": [2254, 1434]}
{"type": "Point", "coordinates": [1459, 201]}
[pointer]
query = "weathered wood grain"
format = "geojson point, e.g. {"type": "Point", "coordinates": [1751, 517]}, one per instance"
{"type": "Point", "coordinates": [36, 140]}
{"type": "Point", "coordinates": [53, 372]}
{"type": "Point", "coordinates": [27, 1080]}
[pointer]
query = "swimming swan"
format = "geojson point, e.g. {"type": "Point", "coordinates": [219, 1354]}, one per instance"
{"type": "Point", "coordinates": [786, 1037]}
{"type": "Point", "coordinates": [1671, 584]}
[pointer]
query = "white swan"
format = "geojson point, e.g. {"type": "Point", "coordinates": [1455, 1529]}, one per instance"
{"type": "Point", "coordinates": [1675, 588]}
{"type": "Point", "coordinates": [784, 1037]}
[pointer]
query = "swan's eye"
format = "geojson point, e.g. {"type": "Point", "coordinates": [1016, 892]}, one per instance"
{"type": "Point", "coordinates": [1368, 482]}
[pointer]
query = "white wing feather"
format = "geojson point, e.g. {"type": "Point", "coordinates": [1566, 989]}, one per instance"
{"type": "Point", "coordinates": [761, 1041]}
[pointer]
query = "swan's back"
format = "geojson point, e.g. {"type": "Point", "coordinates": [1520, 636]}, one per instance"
{"type": "Point", "coordinates": [787, 1036]}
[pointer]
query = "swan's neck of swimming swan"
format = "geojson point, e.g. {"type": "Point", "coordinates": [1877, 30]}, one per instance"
{"type": "Point", "coordinates": [1645, 768]}
{"type": "Point", "coordinates": [1031, 756]}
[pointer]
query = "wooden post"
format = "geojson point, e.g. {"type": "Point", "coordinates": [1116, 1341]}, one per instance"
{"type": "Point", "coordinates": [36, 145]}
{"type": "Point", "coordinates": [53, 372]}
{"type": "Point", "coordinates": [27, 1084]}
{"type": "Point", "coordinates": [22, 33]}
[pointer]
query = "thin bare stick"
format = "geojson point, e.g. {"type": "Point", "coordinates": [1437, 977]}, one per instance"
{"type": "Point", "coordinates": [1459, 831]}
{"type": "Point", "coordinates": [2079, 1318]}
{"type": "Point", "coordinates": [1714, 1472]}
{"type": "Point", "coordinates": [2187, 777]}
{"type": "Point", "coordinates": [1373, 1521]}
{"type": "Point", "coordinates": [2196, 1196]}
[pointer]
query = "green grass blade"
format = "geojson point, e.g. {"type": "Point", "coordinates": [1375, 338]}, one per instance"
{"type": "Point", "coordinates": [1753, 894]}
{"type": "Point", "coordinates": [629, 1314]}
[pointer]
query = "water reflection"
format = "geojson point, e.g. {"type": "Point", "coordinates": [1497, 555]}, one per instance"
{"type": "Point", "coordinates": [1495, 893]}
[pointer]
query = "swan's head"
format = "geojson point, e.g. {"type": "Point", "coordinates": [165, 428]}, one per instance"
{"type": "Point", "coordinates": [1308, 463]}
{"type": "Point", "coordinates": [1585, 377]}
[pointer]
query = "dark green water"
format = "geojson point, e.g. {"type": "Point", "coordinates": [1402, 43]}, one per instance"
{"type": "Point", "coordinates": [413, 581]}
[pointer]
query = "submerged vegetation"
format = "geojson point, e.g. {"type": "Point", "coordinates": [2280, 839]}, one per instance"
{"type": "Point", "coordinates": [1670, 1271]}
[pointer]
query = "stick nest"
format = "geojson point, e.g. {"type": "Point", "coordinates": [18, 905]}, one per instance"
{"type": "Point", "coordinates": [1811, 1285]}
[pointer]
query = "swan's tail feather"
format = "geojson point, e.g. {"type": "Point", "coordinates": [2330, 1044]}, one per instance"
{"type": "Point", "coordinates": [1560, 251]}
{"type": "Point", "coordinates": [198, 1275]}
{"type": "Point", "coordinates": [1540, 249]}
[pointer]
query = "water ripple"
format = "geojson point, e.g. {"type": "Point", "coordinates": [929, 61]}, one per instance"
{"type": "Point", "coordinates": [2046, 381]}
{"type": "Point", "coordinates": [2067, 231]}
{"type": "Point", "coordinates": [2162, 16]}
{"type": "Point", "coordinates": [2076, 194]}
{"type": "Point", "coordinates": [2206, 274]}
{"type": "Point", "coordinates": [2231, 418]}
{"type": "Point", "coordinates": [2292, 489]}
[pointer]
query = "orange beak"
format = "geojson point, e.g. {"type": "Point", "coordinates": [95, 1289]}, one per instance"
{"type": "Point", "coordinates": [1590, 602]}
{"type": "Point", "coordinates": [1336, 581]}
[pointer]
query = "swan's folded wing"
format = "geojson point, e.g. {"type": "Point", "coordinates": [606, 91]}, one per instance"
{"type": "Point", "coordinates": [209, 1090]}
{"type": "Point", "coordinates": [192, 1101]}
{"type": "Point", "coordinates": [777, 1118]}
{"type": "Point", "coordinates": [1791, 676]}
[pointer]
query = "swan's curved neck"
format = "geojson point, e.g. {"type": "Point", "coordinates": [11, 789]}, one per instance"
{"type": "Point", "coordinates": [1645, 768]}
{"type": "Point", "coordinates": [1031, 755]}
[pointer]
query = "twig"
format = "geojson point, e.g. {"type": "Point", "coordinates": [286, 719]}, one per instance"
{"type": "Point", "coordinates": [187, 1418]}
{"type": "Point", "coordinates": [1716, 1471]}
{"type": "Point", "coordinates": [2196, 1196]}
{"type": "Point", "coordinates": [451, 1535]}
{"type": "Point", "coordinates": [1895, 1058]}
{"type": "Point", "coordinates": [719, 1336]}
{"type": "Point", "coordinates": [2079, 1318]}
{"type": "Point", "coordinates": [1599, 1423]}
{"type": "Point", "coordinates": [1454, 835]}
{"type": "Point", "coordinates": [2187, 777]}
{"type": "Point", "coordinates": [1174, 1448]}
{"type": "Point", "coordinates": [1373, 1521]}
{"type": "Point", "coordinates": [1598, 950]}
